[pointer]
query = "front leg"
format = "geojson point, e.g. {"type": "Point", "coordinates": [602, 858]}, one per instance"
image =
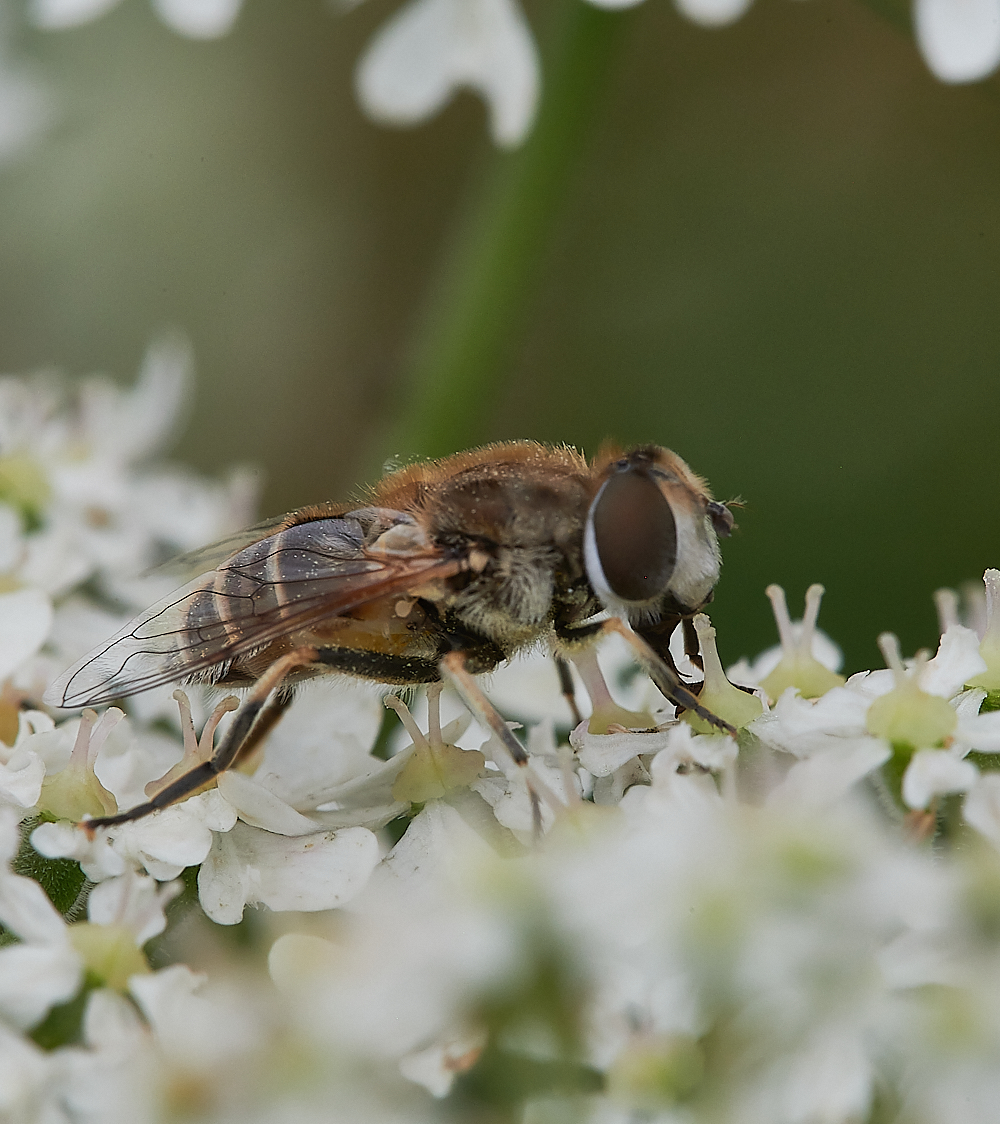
{"type": "Point", "coordinates": [658, 666]}
{"type": "Point", "coordinates": [455, 671]}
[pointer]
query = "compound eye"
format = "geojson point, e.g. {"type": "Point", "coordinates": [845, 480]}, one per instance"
{"type": "Point", "coordinates": [634, 538]}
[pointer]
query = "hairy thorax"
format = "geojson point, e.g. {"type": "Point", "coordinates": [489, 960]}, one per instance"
{"type": "Point", "coordinates": [523, 515]}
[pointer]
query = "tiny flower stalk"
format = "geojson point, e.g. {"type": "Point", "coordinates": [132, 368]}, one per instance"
{"type": "Point", "coordinates": [907, 717]}
{"type": "Point", "coordinates": [946, 604]}
{"type": "Point", "coordinates": [719, 695]}
{"type": "Point", "coordinates": [798, 667]}
{"type": "Point", "coordinates": [75, 792]}
{"type": "Point", "coordinates": [989, 647]}
{"type": "Point", "coordinates": [434, 768]}
{"type": "Point", "coordinates": [196, 750]}
{"type": "Point", "coordinates": [606, 713]}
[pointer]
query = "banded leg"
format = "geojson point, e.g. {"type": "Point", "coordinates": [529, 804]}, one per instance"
{"type": "Point", "coordinates": [267, 719]}
{"type": "Point", "coordinates": [568, 688]}
{"type": "Point", "coordinates": [454, 670]}
{"type": "Point", "coordinates": [229, 750]}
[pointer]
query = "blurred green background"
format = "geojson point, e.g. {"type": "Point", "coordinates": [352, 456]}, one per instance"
{"type": "Point", "coordinates": [777, 254]}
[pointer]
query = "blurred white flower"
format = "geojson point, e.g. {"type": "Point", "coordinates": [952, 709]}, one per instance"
{"type": "Point", "coordinates": [43, 968]}
{"type": "Point", "coordinates": [113, 1075]}
{"type": "Point", "coordinates": [25, 620]}
{"type": "Point", "coordinates": [936, 772]}
{"type": "Point", "coordinates": [959, 39]}
{"type": "Point", "coordinates": [25, 104]}
{"type": "Point", "coordinates": [77, 483]}
{"type": "Point", "coordinates": [709, 13]}
{"type": "Point", "coordinates": [197, 19]}
{"type": "Point", "coordinates": [431, 48]}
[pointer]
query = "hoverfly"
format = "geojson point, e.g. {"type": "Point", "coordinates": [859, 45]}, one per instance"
{"type": "Point", "coordinates": [446, 569]}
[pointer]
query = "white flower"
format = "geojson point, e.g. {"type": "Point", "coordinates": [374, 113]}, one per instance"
{"type": "Point", "coordinates": [105, 513]}
{"type": "Point", "coordinates": [959, 39]}
{"type": "Point", "coordinates": [415, 950]}
{"type": "Point", "coordinates": [956, 662]}
{"type": "Point", "coordinates": [306, 872]}
{"type": "Point", "coordinates": [25, 620]}
{"type": "Point", "coordinates": [24, 764]}
{"type": "Point", "coordinates": [824, 778]}
{"type": "Point", "coordinates": [709, 13]}
{"type": "Point", "coordinates": [198, 19]}
{"type": "Point", "coordinates": [196, 1031]}
{"type": "Point", "coordinates": [982, 807]}
{"type": "Point", "coordinates": [25, 1080]}
{"type": "Point", "coordinates": [25, 105]}
{"type": "Point", "coordinates": [322, 743]}
{"type": "Point", "coordinates": [430, 48]}
{"type": "Point", "coordinates": [936, 772]}
{"type": "Point", "coordinates": [178, 837]}
{"type": "Point", "coordinates": [43, 969]}
{"type": "Point", "coordinates": [133, 902]}
{"type": "Point", "coordinates": [115, 1076]}
{"type": "Point", "coordinates": [806, 658]}
{"type": "Point", "coordinates": [437, 1066]}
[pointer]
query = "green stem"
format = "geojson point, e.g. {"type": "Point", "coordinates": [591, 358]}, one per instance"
{"type": "Point", "coordinates": [475, 313]}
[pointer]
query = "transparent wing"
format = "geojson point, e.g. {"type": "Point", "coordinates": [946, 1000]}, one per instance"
{"type": "Point", "coordinates": [183, 567]}
{"type": "Point", "coordinates": [269, 589]}
{"type": "Point", "coordinates": [195, 563]}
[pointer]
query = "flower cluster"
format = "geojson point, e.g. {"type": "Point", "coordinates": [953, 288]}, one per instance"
{"type": "Point", "coordinates": [428, 49]}
{"type": "Point", "coordinates": [796, 925]}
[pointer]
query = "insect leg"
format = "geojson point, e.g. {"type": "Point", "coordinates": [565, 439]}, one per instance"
{"type": "Point", "coordinates": [229, 749]}
{"type": "Point", "coordinates": [268, 718]}
{"type": "Point", "coordinates": [692, 649]}
{"type": "Point", "coordinates": [667, 680]}
{"type": "Point", "coordinates": [568, 688]}
{"type": "Point", "coordinates": [454, 670]}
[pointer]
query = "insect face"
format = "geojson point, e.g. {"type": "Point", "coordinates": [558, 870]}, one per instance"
{"type": "Point", "coordinates": [651, 534]}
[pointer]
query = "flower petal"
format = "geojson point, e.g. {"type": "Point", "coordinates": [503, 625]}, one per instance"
{"type": "Point", "coordinates": [21, 779]}
{"type": "Point", "coordinates": [63, 840]}
{"type": "Point", "coordinates": [935, 772]}
{"type": "Point", "coordinates": [822, 779]}
{"type": "Point", "coordinates": [258, 807]}
{"type": "Point", "coordinates": [25, 620]}
{"type": "Point", "coordinates": [199, 19]}
{"type": "Point", "coordinates": [431, 47]}
{"type": "Point", "coordinates": [602, 754]}
{"type": "Point", "coordinates": [310, 872]}
{"type": "Point", "coordinates": [981, 731]}
{"type": "Point", "coordinates": [712, 13]}
{"type": "Point", "coordinates": [133, 900]}
{"type": "Point", "coordinates": [53, 15]}
{"type": "Point", "coordinates": [982, 807]}
{"type": "Point", "coordinates": [959, 39]}
{"type": "Point", "coordinates": [25, 909]}
{"type": "Point", "coordinates": [34, 978]}
{"type": "Point", "coordinates": [956, 663]}
{"type": "Point", "coordinates": [180, 836]}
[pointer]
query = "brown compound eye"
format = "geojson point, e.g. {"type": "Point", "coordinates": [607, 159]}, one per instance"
{"type": "Point", "coordinates": [634, 538]}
